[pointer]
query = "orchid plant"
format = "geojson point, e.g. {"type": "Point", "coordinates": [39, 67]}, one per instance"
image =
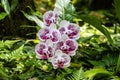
{"type": "Point", "coordinates": [57, 40]}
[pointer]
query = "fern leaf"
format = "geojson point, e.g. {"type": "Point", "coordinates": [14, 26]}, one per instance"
{"type": "Point", "coordinates": [77, 75]}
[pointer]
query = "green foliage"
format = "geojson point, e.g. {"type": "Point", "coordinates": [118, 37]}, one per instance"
{"type": "Point", "coordinates": [118, 64]}
{"type": "Point", "coordinates": [16, 54]}
{"type": "Point", "coordinates": [76, 75]}
{"type": "Point", "coordinates": [34, 18]}
{"type": "Point", "coordinates": [2, 15]}
{"type": "Point", "coordinates": [97, 24]}
{"type": "Point", "coordinates": [65, 9]}
{"type": "Point", "coordinates": [14, 4]}
{"type": "Point", "coordinates": [117, 8]}
{"type": "Point", "coordinates": [95, 59]}
{"type": "Point", "coordinates": [6, 6]}
{"type": "Point", "coordinates": [90, 74]}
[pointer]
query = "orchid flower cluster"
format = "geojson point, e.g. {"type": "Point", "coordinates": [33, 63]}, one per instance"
{"type": "Point", "coordinates": [57, 44]}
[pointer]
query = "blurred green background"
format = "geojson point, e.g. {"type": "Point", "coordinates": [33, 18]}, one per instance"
{"type": "Point", "coordinates": [15, 25]}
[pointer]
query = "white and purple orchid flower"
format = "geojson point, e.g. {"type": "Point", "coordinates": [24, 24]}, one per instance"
{"type": "Point", "coordinates": [60, 60]}
{"type": "Point", "coordinates": [44, 50]}
{"type": "Point", "coordinates": [49, 33]}
{"type": "Point", "coordinates": [66, 45]}
{"type": "Point", "coordinates": [57, 45]}
{"type": "Point", "coordinates": [50, 17]}
{"type": "Point", "coordinates": [70, 29]}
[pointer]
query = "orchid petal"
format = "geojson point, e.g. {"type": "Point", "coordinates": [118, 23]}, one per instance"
{"type": "Point", "coordinates": [64, 23]}
{"type": "Point", "coordinates": [64, 37]}
{"type": "Point", "coordinates": [49, 42]}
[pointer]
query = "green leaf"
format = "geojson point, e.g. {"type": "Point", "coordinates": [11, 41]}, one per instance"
{"type": "Point", "coordinates": [90, 74]}
{"type": "Point", "coordinates": [9, 43]}
{"type": "Point", "coordinates": [0, 4]}
{"type": "Point", "coordinates": [84, 39]}
{"type": "Point", "coordinates": [6, 6]}
{"type": "Point", "coordinates": [97, 24]}
{"type": "Point", "coordinates": [34, 18]}
{"type": "Point", "coordinates": [69, 12]}
{"type": "Point", "coordinates": [3, 73]}
{"type": "Point", "coordinates": [14, 54]}
{"type": "Point", "coordinates": [17, 53]}
{"type": "Point", "coordinates": [114, 78]}
{"type": "Point", "coordinates": [118, 64]}
{"type": "Point", "coordinates": [1, 44]}
{"type": "Point", "coordinates": [117, 8]}
{"type": "Point", "coordinates": [76, 75]}
{"type": "Point", "coordinates": [14, 4]}
{"type": "Point", "coordinates": [27, 75]}
{"type": "Point", "coordinates": [2, 15]}
{"type": "Point", "coordinates": [65, 9]}
{"type": "Point", "coordinates": [60, 5]}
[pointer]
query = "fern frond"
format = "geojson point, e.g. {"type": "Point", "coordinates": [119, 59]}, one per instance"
{"type": "Point", "coordinates": [76, 75]}
{"type": "Point", "coordinates": [12, 55]}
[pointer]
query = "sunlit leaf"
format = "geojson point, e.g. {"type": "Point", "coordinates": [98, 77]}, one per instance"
{"type": "Point", "coordinates": [9, 43]}
{"type": "Point", "coordinates": [84, 39]}
{"type": "Point", "coordinates": [97, 24]}
{"type": "Point", "coordinates": [2, 15]}
{"type": "Point", "coordinates": [90, 74]}
{"type": "Point", "coordinates": [114, 78]}
{"type": "Point", "coordinates": [60, 5]}
{"type": "Point", "coordinates": [6, 6]}
{"type": "Point", "coordinates": [34, 18]}
{"type": "Point", "coordinates": [65, 9]}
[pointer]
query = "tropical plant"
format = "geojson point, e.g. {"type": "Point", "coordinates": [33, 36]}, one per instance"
{"type": "Point", "coordinates": [7, 7]}
{"type": "Point", "coordinates": [97, 56]}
